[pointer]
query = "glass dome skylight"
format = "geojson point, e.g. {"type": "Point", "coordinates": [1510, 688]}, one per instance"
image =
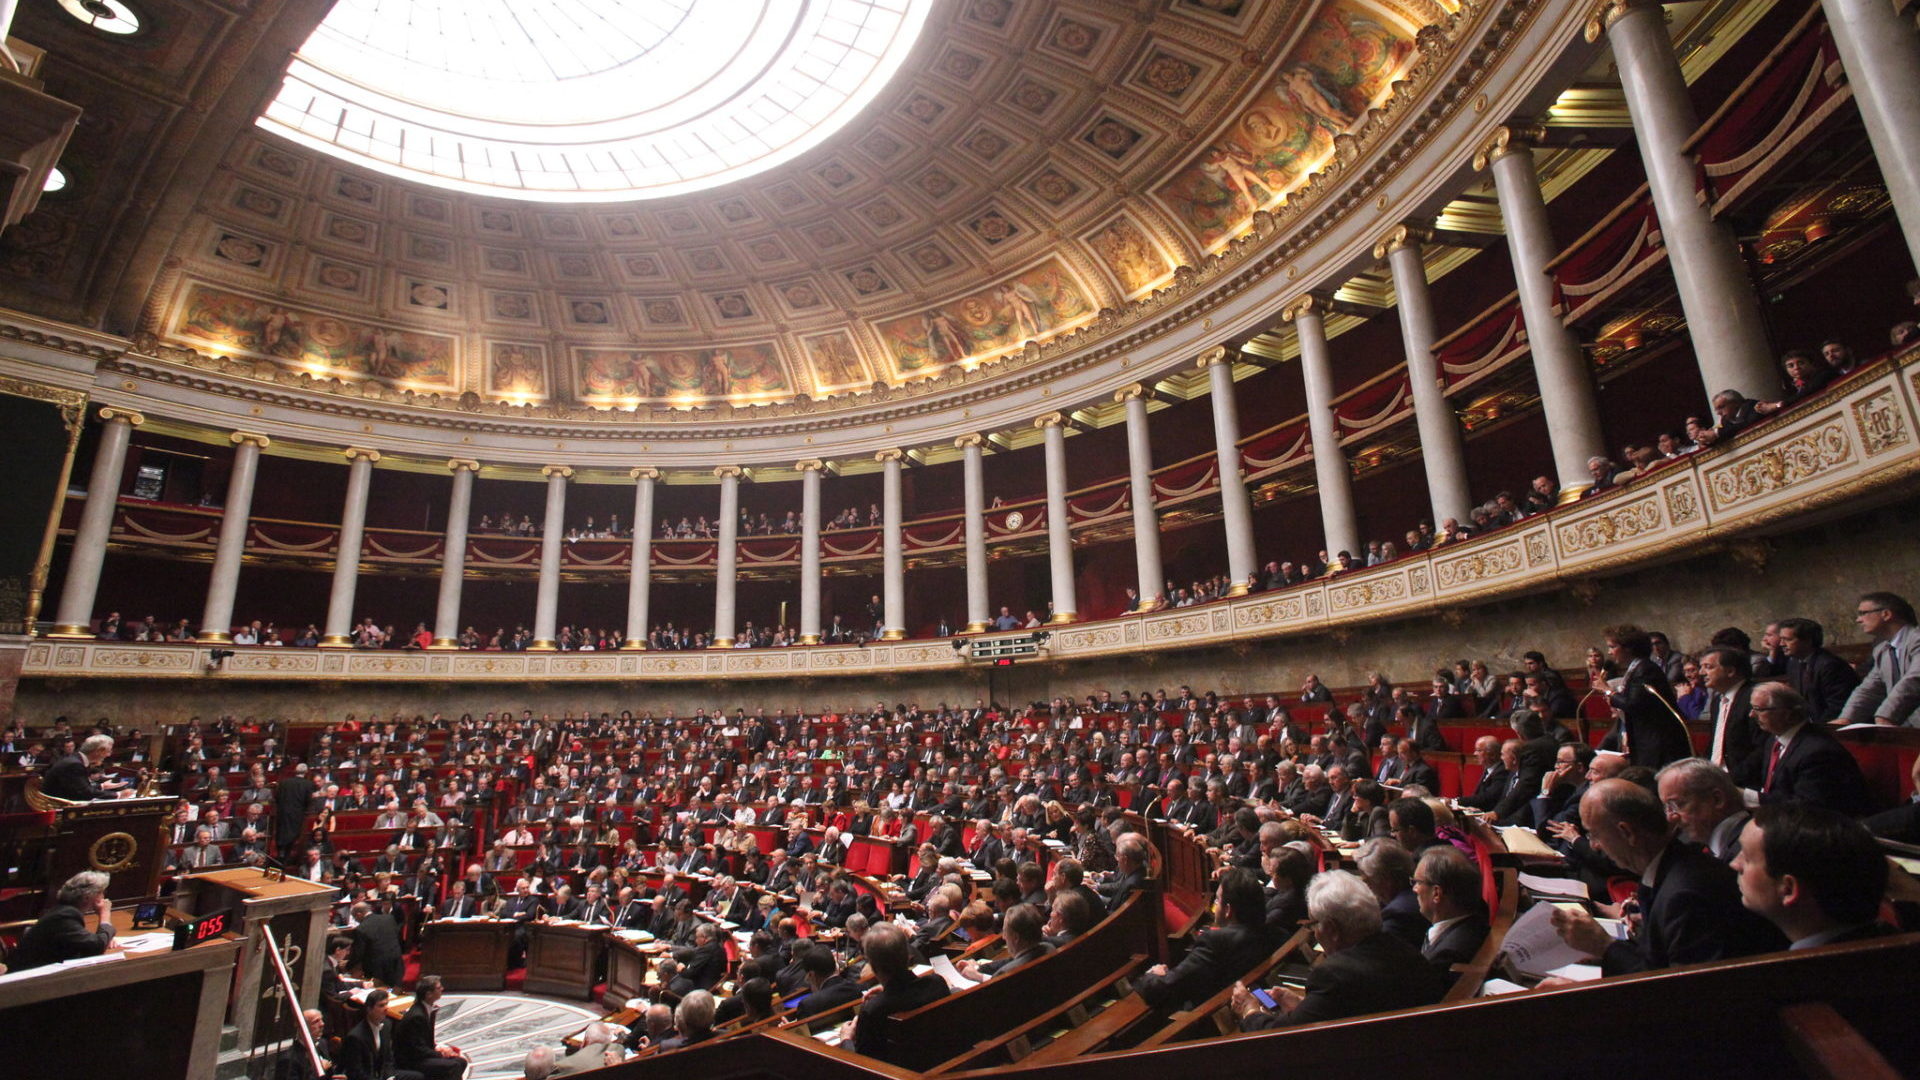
{"type": "Point", "coordinates": [577, 100]}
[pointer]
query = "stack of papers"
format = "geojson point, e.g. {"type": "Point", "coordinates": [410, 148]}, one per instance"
{"type": "Point", "coordinates": [1556, 888]}
{"type": "Point", "coordinates": [955, 981]}
{"type": "Point", "coordinates": [1535, 948]}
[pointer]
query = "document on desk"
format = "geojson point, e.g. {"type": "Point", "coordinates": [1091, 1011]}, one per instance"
{"type": "Point", "coordinates": [1556, 887]}
{"type": "Point", "coordinates": [944, 968]}
{"type": "Point", "coordinates": [1522, 841]}
{"type": "Point", "coordinates": [1535, 948]}
{"type": "Point", "coordinates": [64, 965]}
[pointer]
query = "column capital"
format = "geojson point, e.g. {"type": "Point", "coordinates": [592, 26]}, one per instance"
{"type": "Point", "coordinates": [565, 472]}
{"type": "Point", "coordinates": [1216, 355]}
{"type": "Point", "coordinates": [1052, 419]}
{"type": "Point", "coordinates": [1507, 139]}
{"type": "Point", "coordinates": [1310, 304]}
{"type": "Point", "coordinates": [463, 464]}
{"type": "Point", "coordinates": [644, 472]}
{"type": "Point", "coordinates": [725, 471]}
{"type": "Point", "coordinates": [254, 437]}
{"type": "Point", "coordinates": [132, 418]}
{"type": "Point", "coordinates": [971, 438]}
{"type": "Point", "coordinates": [1403, 235]}
{"type": "Point", "coordinates": [352, 452]}
{"type": "Point", "coordinates": [812, 464]}
{"type": "Point", "coordinates": [1130, 392]}
{"type": "Point", "coordinates": [1607, 12]}
{"type": "Point", "coordinates": [890, 455]}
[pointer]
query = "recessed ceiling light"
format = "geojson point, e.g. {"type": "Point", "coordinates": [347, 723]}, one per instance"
{"type": "Point", "coordinates": [110, 16]}
{"type": "Point", "coordinates": [56, 180]}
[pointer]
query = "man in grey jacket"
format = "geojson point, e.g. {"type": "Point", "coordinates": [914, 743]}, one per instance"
{"type": "Point", "coordinates": [1890, 693]}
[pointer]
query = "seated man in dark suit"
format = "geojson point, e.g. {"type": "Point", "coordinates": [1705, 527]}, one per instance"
{"type": "Point", "coordinates": [829, 986]}
{"type": "Point", "coordinates": [1238, 941]}
{"type": "Point", "coordinates": [413, 1042]}
{"type": "Point", "coordinates": [62, 934]}
{"type": "Point", "coordinates": [703, 965]}
{"type": "Point", "coordinates": [1025, 944]}
{"type": "Point", "coordinates": [1387, 868]}
{"type": "Point", "coordinates": [1414, 768]}
{"type": "Point", "coordinates": [1689, 903]}
{"type": "Point", "coordinates": [1448, 885]}
{"type": "Point", "coordinates": [1817, 875]}
{"type": "Point", "coordinates": [1130, 873]}
{"type": "Point", "coordinates": [1365, 970]}
{"type": "Point", "coordinates": [295, 1063]}
{"type": "Point", "coordinates": [1799, 761]}
{"type": "Point", "coordinates": [900, 991]}
{"type": "Point", "coordinates": [1497, 769]}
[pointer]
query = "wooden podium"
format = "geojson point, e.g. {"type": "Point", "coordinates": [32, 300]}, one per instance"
{"type": "Point", "coordinates": [564, 958]}
{"type": "Point", "coordinates": [155, 1016]}
{"type": "Point", "coordinates": [125, 838]}
{"type": "Point", "coordinates": [467, 954]}
{"type": "Point", "coordinates": [297, 911]}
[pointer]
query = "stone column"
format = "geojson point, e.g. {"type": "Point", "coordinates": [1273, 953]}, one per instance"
{"type": "Point", "coordinates": [1059, 525]}
{"type": "Point", "coordinates": [453, 555]}
{"type": "Point", "coordinates": [1236, 509]}
{"type": "Point", "coordinates": [553, 530]}
{"type": "Point", "coordinates": [346, 561]}
{"type": "Point", "coordinates": [810, 471]}
{"type": "Point", "coordinates": [74, 617]}
{"type": "Point", "coordinates": [1442, 448]}
{"type": "Point", "coordinates": [1880, 50]}
{"type": "Point", "coordinates": [216, 619]}
{"type": "Point", "coordinates": [893, 559]}
{"type": "Point", "coordinates": [1146, 520]}
{"type": "Point", "coordinates": [1559, 367]}
{"type": "Point", "coordinates": [1723, 313]}
{"type": "Point", "coordinates": [973, 530]}
{"type": "Point", "coordinates": [1332, 472]}
{"type": "Point", "coordinates": [640, 573]}
{"type": "Point", "coordinates": [729, 555]}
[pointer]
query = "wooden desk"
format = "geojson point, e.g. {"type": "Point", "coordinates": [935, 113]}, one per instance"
{"type": "Point", "coordinates": [154, 1016]}
{"type": "Point", "coordinates": [467, 954]}
{"type": "Point", "coordinates": [627, 965]}
{"type": "Point", "coordinates": [296, 910]}
{"type": "Point", "coordinates": [564, 958]}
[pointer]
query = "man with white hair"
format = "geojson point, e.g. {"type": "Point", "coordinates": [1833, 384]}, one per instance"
{"type": "Point", "coordinates": [1704, 805]}
{"type": "Point", "coordinates": [62, 934]}
{"type": "Point", "coordinates": [71, 777]}
{"type": "Point", "coordinates": [1364, 970]}
{"type": "Point", "coordinates": [693, 1018]}
{"type": "Point", "coordinates": [539, 1064]}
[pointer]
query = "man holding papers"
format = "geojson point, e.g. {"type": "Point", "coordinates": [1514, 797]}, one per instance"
{"type": "Point", "coordinates": [1689, 903]}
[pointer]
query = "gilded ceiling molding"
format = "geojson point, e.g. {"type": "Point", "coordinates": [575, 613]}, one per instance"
{"type": "Point", "coordinates": [1272, 241]}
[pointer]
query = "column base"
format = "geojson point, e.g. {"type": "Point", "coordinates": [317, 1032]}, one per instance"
{"type": "Point", "coordinates": [440, 644]}
{"type": "Point", "coordinates": [977, 628]}
{"type": "Point", "coordinates": [721, 643]}
{"type": "Point", "coordinates": [70, 633]}
{"type": "Point", "coordinates": [1571, 493]}
{"type": "Point", "coordinates": [893, 633]}
{"type": "Point", "coordinates": [1238, 588]}
{"type": "Point", "coordinates": [544, 645]}
{"type": "Point", "coordinates": [809, 639]}
{"type": "Point", "coordinates": [1061, 618]}
{"type": "Point", "coordinates": [633, 645]}
{"type": "Point", "coordinates": [214, 637]}
{"type": "Point", "coordinates": [336, 641]}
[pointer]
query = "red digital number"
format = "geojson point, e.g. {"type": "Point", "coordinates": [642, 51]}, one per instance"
{"type": "Point", "coordinates": [209, 927]}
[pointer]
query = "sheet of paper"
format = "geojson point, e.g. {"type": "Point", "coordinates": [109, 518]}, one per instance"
{"type": "Point", "coordinates": [159, 939]}
{"type": "Point", "coordinates": [1522, 841]}
{"type": "Point", "coordinates": [944, 968]}
{"type": "Point", "coordinates": [1534, 947]}
{"type": "Point", "coordinates": [1497, 987]}
{"type": "Point", "coordinates": [1556, 886]}
{"type": "Point", "coordinates": [1577, 972]}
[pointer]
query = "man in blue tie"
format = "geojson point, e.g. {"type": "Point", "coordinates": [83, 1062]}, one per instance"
{"type": "Point", "coordinates": [1890, 694]}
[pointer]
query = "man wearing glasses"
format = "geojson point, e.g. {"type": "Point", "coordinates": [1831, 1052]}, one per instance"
{"type": "Point", "coordinates": [1890, 694]}
{"type": "Point", "coordinates": [1799, 761]}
